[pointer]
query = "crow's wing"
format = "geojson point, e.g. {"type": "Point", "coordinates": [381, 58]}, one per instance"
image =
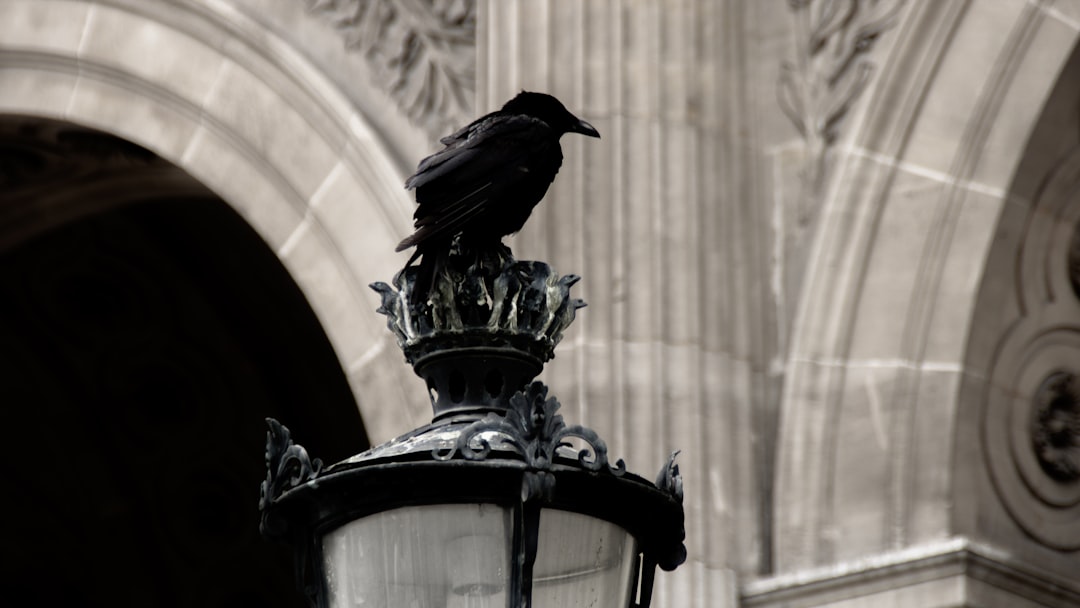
{"type": "Point", "coordinates": [484, 146]}
{"type": "Point", "coordinates": [478, 165]}
{"type": "Point", "coordinates": [456, 140]}
{"type": "Point", "coordinates": [463, 133]}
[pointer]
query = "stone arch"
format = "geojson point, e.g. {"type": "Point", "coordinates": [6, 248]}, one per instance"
{"type": "Point", "coordinates": [1017, 460]}
{"type": "Point", "coordinates": [226, 101]}
{"type": "Point", "coordinates": [869, 412]}
{"type": "Point", "coordinates": [139, 318]}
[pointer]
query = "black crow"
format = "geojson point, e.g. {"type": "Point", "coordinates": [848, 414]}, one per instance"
{"type": "Point", "coordinates": [485, 182]}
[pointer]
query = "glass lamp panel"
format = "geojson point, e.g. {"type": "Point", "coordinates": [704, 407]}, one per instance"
{"type": "Point", "coordinates": [437, 556]}
{"type": "Point", "coordinates": [582, 562]}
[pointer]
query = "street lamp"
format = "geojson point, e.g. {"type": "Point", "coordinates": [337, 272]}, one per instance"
{"type": "Point", "coordinates": [495, 504]}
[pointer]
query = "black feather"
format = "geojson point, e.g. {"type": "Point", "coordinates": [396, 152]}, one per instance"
{"type": "Point", "coordinates": [486, 180]}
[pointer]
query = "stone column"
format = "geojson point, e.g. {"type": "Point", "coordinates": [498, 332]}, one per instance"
{"type": "Point", "coordinates": [658, 217]}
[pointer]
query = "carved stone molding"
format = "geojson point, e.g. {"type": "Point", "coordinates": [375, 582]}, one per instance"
{"type": "Point", "coordinates": [422, 50]}
{"type": "Point", "coordinates": [972, 573]}
{"type": "Point", "coordinates": [830, 70]}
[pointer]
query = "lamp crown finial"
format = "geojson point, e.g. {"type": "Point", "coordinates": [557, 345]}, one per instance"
{"type": "Point", "coordinates": [486, 328]}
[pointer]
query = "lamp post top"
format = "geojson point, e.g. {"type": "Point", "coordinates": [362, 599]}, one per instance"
{"type": "Point", "coordinates": [487, 327]}
{"type": "Point", "coordinates": [479, 339]}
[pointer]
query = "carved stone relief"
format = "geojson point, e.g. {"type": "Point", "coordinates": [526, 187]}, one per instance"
{"type": "Point", "coordinates": [830, 71]}
{"type": "Point", "coordinates": [1055, 426]}
{"type": "Point", "coordinates": [423, 51]}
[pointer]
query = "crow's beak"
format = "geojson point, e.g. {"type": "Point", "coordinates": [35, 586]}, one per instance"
{"type": "Point", "coordinates": [585, 129]}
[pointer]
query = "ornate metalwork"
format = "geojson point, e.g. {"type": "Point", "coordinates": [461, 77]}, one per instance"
{"type": "Point", "coordinates": [287, 466]}
{"type": "Point", "coordinates": [669, 480]}
{"type": "Point", "coordinates": [422, 50]}
{"type": "Point", "coordinates": [532, 428]}
{"type": "Point", "coordinates": [483, 333]}
{"type": "Point", "coordinates": [487, 294]}
{"type": "Point", "coordinates": [1055, 428]}
{"type": "Point", "coordinates": [673, 554]}
{"type": "Point", "coordinates": [831, 70]}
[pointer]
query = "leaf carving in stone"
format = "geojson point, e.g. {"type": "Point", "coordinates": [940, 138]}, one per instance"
{"type": "Point", "coordinates": [422, 50]}
{"type": "Point", "coordinates": [830, 70]}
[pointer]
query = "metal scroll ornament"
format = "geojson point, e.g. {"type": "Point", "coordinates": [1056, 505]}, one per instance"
{"type": "Point", "coordinates": [670, 482]}
{"type": "Point", "coordinates": [287, 466]}
{"type": "Point", "coordinates": [532, 428]}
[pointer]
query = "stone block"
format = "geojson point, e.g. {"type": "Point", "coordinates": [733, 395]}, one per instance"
{"type": "Point", "coordinates": [43, 93]}
{"type": "Point", "coordinates": [926, 511]}
{"type": "Point", "coordinates": [253, 189]}
{"type": "Point", "coordinates": [164, 128]}
{"type": "Point", "coordinates": [368, 157]}
{"type": "Point", "coordinates": [336, 296]}
{"type": "Point", "coordinates": [1065, 11]}
{"type": "Point", "coordinates": [350, 214]}
{"type": "Point", "coordinates": [890, 281]}
{"type": "Point", "coordinates": [54, 26]}
{"type": "Point", "coordinates": [152, 52]}
{"type": "Point", "coordinates": [961, 278]}
{"type": "Point", "coordinates": [1022, 102]}
{"type": "Point", "coordinates": [967, 73]}
{"type": "Point", "coordinates": [859, 445]}
{"type": "Point", "coordinates": [267, 122]}
{"type": "Point", "coordinates": [880, 466]}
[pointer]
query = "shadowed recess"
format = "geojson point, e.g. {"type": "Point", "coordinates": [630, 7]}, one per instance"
{"type": "Point", "coordinates": [147, 332]}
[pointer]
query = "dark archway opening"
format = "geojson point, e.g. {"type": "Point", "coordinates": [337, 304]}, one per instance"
{"type": "Point", "coordinates": [145, 332]}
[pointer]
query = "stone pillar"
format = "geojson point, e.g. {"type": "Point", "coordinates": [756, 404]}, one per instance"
{"type": "Point", "coordinates": [658, 217]}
